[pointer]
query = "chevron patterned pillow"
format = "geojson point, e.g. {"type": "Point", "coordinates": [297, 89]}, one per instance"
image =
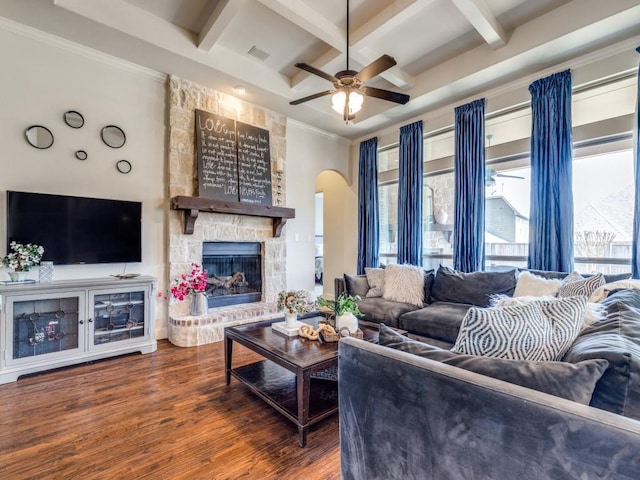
{"type": "Point", "coordinates": [575, 284]}
{"type": "Point", "coordinates": [539, 331]}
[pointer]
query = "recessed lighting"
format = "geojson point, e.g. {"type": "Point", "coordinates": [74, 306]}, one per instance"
{"type": "Point", "coordinates": [240, 89]}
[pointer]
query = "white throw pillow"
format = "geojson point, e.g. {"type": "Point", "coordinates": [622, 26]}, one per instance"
{"type": "Point", "coordinates": [529, 284]}
{"type": "Point", "coordinates": [539, 331]}
{"type": "Point", "coordinates": [404, 283]}
{"type": "Point", "coordinates": [375, 278]}
{"type": "Point", "coordinates": [602, 292]}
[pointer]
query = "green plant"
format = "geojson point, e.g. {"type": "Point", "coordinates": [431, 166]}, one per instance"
{"type": "Point", "coordinates": [341, 305]}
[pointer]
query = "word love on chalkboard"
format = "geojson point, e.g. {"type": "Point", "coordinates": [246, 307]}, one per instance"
{"type": "Point", "coordinates": [217, 158]}
{"type": "Point", "coordinates": [234, 161]}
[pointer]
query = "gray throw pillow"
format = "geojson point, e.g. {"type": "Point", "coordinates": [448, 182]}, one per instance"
{"type": "Point", "coordinates": [375, 277]}
{"type": "Point", "coordinates": [356, 285]}
{"type": "Point", "coordinates": [574, 382]}
{"type": "Point", "coordinates": [471, 288]}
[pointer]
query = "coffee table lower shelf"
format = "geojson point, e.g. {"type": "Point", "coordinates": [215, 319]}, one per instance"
{"type": "Point", "coordinates": [277, 386]}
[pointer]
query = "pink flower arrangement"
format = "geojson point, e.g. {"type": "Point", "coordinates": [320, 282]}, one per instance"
{"type": "Point", "coordinates": [191, 283]}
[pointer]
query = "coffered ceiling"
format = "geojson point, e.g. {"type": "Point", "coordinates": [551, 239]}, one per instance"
{"type": "Point", "coordinates": [446, 50]}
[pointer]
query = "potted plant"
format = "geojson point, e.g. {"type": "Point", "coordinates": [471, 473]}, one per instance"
{"type": "Point", "coordinates": [192, 284]}
{"type": "Point", "coordinates": [294, 303]}
{"type": "Point", "coordinates": [346, 310]}
{"type": "Point", "coordinates": [21, 259]}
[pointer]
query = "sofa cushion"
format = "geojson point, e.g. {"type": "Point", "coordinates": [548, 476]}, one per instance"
{"type": "Point", "coordinates": [356, 285]}
{"type": "Point", "coordinates": [379, 310]}
{"type": "Point", "coordinates": [613, 277]}
{"type": "Point", "coordinates": [529, 284]}
{"type": "Point", "coordinates": [571, 381]}
{"type": "Point", "coordinates": [429, 277]}
{"type": "Point", "coordinates": [404, 283]}
{"type": "Point", "coordinates": [576, 284]}
{"type": "Point", "coordinates": [375, 278]}
{"type": "Point", "coordinates": [472, 288]}
{"type": "Point", "coordinates": [542, 330]}
{"type": "Point", "coordinates": [616, 339]}
{"type": "Point", "coordinates": [439, 320]}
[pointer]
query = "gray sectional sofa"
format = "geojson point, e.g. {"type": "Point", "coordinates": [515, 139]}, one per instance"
{"type": "Point", "coordinates": [441, 415]}
{"type": "Point", "coordinates": [448, 295]}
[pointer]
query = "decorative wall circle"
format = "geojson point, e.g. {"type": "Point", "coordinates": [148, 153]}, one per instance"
{"type": "Point", "coordinates": [123, 166]}
{"type": "Point", "coordinates": [81, 155]}
{"type": "Point", "coordinates": [73, 119]}
{"type": "Point", "coordinates": [113, 136]}
{"type": "Point", "coordinates": [39, 136]}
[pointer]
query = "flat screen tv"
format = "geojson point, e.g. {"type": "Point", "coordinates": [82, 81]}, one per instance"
{"type": "Point", "coordinates": [76, 230]}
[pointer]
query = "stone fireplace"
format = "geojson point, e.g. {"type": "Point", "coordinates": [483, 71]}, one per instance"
{"type": "Point", "coordinates": [184, 330]}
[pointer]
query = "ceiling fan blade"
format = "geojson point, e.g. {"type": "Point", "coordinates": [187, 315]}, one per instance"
{"type": "Point", "coordinates": [385, 62]}
{"type": "Point", "coordinates": [315, 71]}
{"type": "Point", "coordinates": [311, 97]}
{"type": "Point", "coordinates": [385, 94]}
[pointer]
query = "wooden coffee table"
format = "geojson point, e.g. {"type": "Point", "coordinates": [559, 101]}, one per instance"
{"type": "Point", "coordinates": [284, 378]}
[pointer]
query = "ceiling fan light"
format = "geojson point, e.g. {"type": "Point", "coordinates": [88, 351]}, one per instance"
{"type": "Point", "coordinates": [337, 101]}
{"type": "Point", "coordinates": [355, 102]}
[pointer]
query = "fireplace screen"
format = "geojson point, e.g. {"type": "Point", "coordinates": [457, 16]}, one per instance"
{"type": "Point", "coordinates": [234, 271]}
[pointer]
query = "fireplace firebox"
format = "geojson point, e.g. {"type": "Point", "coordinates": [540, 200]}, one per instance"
{"type": "Point", "coordinates": [234, 271]}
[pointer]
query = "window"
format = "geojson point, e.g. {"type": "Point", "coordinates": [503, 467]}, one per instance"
{"type": "Point", "coordinates": [603, 184]}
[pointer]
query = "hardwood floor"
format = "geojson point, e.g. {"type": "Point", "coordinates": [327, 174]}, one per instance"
{"type": "Point", "coordinates": [166, 415]}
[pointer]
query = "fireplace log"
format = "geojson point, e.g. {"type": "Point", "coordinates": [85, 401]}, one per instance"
{"type": "Point", "coordinates": [226, 282]}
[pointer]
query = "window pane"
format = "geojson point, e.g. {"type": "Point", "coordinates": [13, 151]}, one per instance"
{"type": "Point", "coordinates": [388, 211]}
{"type": "Point", "coordinates": [438, 225]}
{"type": "Point", "coordinates": [603, 192]}
{"type": "Point", "coordinates": [388, 159]}
{"type": "Point", "coordinates": [507, 215]}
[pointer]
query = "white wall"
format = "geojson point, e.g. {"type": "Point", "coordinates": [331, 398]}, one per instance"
{"type": "Point", "coordinates": [42, 77]}
{"type": "Point", "coordinates": [309, 153]}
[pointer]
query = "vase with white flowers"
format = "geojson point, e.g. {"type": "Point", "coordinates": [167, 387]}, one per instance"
{"type": "Point", "coordinates": [294, 303]}
{"type": "Point", "coordinates": [21, 259]}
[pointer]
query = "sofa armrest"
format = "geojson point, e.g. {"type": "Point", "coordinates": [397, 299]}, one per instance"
{"type": "Point", "coordinates": [404, 416]}
{"type": "Point", "coordinates": [339, 286]}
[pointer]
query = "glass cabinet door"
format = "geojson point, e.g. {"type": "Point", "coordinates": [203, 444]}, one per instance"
{"type": "Point", "coordinates": [118, 316]}
{"type": "Point", "coordinates": [45, 325]}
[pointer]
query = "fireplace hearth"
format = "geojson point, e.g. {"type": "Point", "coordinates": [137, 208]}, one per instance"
{"type": "Point", "coordinates": [234, 271]}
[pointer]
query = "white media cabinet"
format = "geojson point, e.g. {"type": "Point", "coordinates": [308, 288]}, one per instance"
{"type": "Point", "coordinates": [51, 325]}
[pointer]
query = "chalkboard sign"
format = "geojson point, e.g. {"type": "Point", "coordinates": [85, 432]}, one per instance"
{"type": "Point", "coordinates": [254, 164]}
{"type": "Point", "coordinates": [216, 156]}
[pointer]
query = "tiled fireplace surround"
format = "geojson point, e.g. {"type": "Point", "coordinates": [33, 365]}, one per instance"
{"type": "Point", "coordinates": [184, 329]}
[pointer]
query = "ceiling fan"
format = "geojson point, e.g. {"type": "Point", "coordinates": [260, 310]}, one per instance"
{"type": "Point", "coordinates": [348, 85]}
{"type": "Point", "coordinates": [491, 175]}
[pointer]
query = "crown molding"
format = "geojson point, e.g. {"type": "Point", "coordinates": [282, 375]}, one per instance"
{"type": "Point", "coordinates": [78, 49]}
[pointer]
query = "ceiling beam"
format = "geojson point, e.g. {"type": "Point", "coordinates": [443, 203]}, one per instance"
{"type": "Point", "coordinates": [305, 17]}
{"type": "Point", "coordinates": [486, 24]}
{"type": "Point", "coordinates": [217, 22]}
{"type": "Point", "coordinates": [377, 26]}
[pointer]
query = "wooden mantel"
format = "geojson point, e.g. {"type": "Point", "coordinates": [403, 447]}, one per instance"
{"type": "Point", "coordinates": [192, 206]}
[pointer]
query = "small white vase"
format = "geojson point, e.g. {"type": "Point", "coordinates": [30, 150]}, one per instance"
{"type": "Point", "coordinates": [348, 320]}
{"type": "Point", "coordinates": [199, 304]}
{"type": "Point", "coordinates": [17, 276]}
{"type": "Point", "coordinates": [441, 217]}
{"type": "Point", "coordinates": [290, 319]}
